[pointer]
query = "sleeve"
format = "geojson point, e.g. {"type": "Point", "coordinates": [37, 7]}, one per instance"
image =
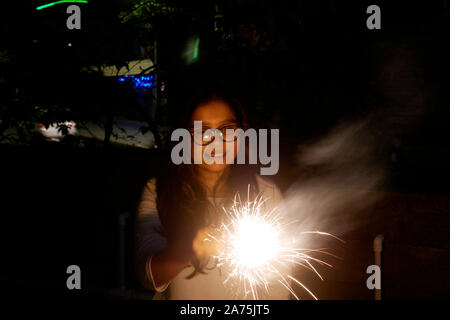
{"type": "Point", "coordinates": [148, 237]}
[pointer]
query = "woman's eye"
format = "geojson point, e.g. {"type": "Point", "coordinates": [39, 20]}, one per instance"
{"type": "Point", "coordinates": [228, 133]}
{"type": "Point", "coordinates": [207, 136]}
{"type": "Point", "coordinates": [231, 127]}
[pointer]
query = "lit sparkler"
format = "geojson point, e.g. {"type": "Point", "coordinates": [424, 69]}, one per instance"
{"type": "Point", "coordinates": [255, 252]}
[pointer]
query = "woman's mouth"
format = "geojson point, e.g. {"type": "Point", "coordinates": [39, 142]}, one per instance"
{"type": "Point", "coordinates": [215, 157]}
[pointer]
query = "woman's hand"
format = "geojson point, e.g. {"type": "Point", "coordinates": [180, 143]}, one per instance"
{"type": "Point", "coordinates": [204, 247]}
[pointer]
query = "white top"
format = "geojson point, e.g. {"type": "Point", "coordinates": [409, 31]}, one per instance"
{"type": "Point", "coordinates": [202, 286]}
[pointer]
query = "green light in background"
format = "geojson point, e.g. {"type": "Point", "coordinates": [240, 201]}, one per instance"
{"type": "Point", "coordinates": [196, 46]}
{"type": "Point", "coordinates": [192, 52]}
{"type": "Point", "coordinates": [51, 4]}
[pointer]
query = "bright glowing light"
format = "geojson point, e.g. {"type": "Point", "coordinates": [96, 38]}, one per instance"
{"type": "Point", "coordinates": [256, 251]}
{"type": "Point", "coordinates": [256, 242]}
{"type": "Point", "coordinates": [51, 4]}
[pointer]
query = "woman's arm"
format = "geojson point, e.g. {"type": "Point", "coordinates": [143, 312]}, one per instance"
{"type": "Point", "coordinates": [166, 264]}
{"type": "Point", "coordinates": [157, 262]}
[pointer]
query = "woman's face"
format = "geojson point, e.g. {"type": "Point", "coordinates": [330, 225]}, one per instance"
{"type": "Point", "coordinates": [215, 114]}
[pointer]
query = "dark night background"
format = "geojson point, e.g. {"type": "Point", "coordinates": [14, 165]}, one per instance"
{"type": "Point", "coordinates": [302, 66]}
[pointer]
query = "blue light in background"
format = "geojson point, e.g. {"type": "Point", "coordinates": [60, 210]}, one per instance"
{"type": "Point", "coordinates": [138, 81]}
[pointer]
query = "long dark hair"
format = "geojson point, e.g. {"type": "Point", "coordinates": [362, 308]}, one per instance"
{"type": "Point", "coordinates": [182, 204]}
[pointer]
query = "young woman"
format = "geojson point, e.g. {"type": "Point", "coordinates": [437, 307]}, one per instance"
{"type": "Point", "coordinates": [178, 207]}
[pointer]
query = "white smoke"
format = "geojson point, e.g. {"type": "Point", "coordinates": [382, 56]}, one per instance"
{"type": "Point", "coordinates": [338, 177]}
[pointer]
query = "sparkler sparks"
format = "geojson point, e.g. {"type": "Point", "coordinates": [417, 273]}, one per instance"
{"type": "Point", "coordinates": [256, 251]}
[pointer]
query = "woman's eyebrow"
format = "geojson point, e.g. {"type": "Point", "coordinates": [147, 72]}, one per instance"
{"type": "Point", "coordinates": [229, 121]}
{"type": "Point", "coordinates": [191, 126]}
{"type": "Point", "coordinates": [207, 125]}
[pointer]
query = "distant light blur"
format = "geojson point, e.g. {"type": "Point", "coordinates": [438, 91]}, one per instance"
{"type": "Point", "coordinates": [54, 131]}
